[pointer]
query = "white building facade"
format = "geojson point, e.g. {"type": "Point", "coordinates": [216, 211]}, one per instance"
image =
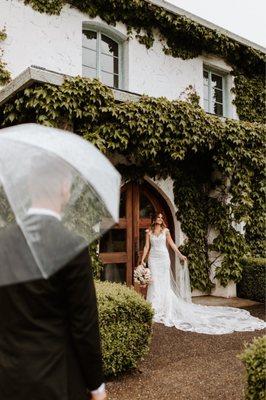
{"type": "Point", "coordinates": [59, 43]}
{"type": "Point", "coordinates": [72, 44]}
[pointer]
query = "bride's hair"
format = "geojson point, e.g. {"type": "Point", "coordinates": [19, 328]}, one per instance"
{"type": "Point", "coordinates": [163, 225]}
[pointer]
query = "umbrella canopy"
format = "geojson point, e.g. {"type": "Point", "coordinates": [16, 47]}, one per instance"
{"type": "Point", "coordinates": [59, 191]}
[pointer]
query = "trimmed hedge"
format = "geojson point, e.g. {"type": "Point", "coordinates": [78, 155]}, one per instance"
{"type": "Point", "coordinates": [253, 282]}
{"type": "Point", "coordinates": [125, 324]}
{"type": "Point", "coordinates": [255, 363]}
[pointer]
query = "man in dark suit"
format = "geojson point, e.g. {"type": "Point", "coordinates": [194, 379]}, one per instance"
{"type": "Point", "coordinates": [49, 333]}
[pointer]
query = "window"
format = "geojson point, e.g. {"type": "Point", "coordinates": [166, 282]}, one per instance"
{"type": "Point", "coordinates": [101, 58]}
{"type": "Point", "coordinates": [214, 92]}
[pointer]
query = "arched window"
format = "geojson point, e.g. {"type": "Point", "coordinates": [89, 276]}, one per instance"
{"type": "Point", "coordinates": [101, 57]}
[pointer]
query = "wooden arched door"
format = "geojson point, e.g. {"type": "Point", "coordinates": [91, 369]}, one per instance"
{"type": "Point", "coordinates": [121, 247]}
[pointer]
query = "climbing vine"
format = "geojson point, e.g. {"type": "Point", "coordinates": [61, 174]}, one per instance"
{"type": "Point", "coordinates": [4, 74]}
{"type": "Point", "coordinates": [163, 138]}
{"type": "Point", "coordinates": [181, 37]}
{"type": "Point", "coordinates": [256, 227]}
{"type": "Point", "coordinates": [250, 97]}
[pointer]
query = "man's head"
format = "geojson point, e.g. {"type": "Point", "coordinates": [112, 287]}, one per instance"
{"type": "Point", "coordinates": [50, 181]}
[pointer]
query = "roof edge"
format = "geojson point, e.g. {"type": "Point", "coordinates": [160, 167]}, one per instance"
{"type": "Point", "coordinates": [180, 11]}
{"type": "Point", "coordinates": [34, 74]}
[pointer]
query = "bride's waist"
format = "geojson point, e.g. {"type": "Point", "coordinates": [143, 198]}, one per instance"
{"type": "Point", "coordinates": [159, 252]}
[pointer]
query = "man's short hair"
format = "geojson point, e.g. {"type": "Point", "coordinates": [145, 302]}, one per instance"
{"type": "Point", "coordinates": [46, 175]}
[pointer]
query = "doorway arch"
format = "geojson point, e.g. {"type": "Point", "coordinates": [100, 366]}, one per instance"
{"type": "Point", "coordinates": [121, 247]}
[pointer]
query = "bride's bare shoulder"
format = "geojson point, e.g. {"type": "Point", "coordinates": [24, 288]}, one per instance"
{"type": "Point", "coordinates": [166, 231]}
{"type": "Point", "coordinates": [148, 231]}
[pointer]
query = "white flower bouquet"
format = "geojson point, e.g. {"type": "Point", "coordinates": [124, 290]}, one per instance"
{"type": "Point", "coordinates": [142, 275]}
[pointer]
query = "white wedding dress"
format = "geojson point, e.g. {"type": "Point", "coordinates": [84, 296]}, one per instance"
{"type": "Point", "coordinates": [171, 309]}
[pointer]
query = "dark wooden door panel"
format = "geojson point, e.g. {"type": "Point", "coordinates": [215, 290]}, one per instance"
{"type": "Point", "coordinates": [129, 272]}
{"type": "Point", "coordinates": [111, 258]}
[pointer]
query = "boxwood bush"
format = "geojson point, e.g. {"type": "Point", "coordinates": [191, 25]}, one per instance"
{"type": "Point", "coordinates": [252, 284]}
{"type": "Point", "coordinates": [255, 363]}
{"type": "Point", "coordinates": [125, 324]}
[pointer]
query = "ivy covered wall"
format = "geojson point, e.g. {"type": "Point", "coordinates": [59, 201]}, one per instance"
{"type": "Point", "coordinates": [163, 138]}
{"type": "Point", "coordinates": [4, 74]}
{"type": "Point", "coordinates": [181, 37]}
{"type": "Point", "coordinates": [250, 97]}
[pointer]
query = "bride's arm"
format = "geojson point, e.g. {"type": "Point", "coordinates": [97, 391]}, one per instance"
{"type": "Point", "coordinates": [146, 247]}
{"type": "Point", "coordinates": [174, 247]}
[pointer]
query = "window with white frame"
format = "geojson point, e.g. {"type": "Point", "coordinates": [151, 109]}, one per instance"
{"type": "Point", "coordinates": [101, 58]}
{"type": "Point", "coordinates": [214, 92]}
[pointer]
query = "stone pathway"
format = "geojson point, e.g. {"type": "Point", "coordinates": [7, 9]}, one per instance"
{"type": "Point", "coordinates": [189, 366]}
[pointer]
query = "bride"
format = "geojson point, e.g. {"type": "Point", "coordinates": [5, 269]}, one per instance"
{"type": "Point", "coordinates": [170, 294]}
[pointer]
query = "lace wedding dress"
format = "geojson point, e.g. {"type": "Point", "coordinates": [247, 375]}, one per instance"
{"type": "Point", "coordinates": [171, 309]}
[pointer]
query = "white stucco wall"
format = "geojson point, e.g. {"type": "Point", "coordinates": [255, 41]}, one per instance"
{"type": "Point", "coordinates": [54, 43]}
{"type": "Point", "coordinates": [156, 74]}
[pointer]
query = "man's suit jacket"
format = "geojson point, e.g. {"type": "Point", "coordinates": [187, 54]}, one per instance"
{"type": "Point", "coordinates": [49, 334]}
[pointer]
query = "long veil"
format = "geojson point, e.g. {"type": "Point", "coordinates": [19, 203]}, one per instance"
{"type": "Point", "coordinates": [180, 281]}
{"type": "Point", "coordinates": [185, 315]}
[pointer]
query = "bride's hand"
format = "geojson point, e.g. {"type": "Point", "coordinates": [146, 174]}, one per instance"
{"type": "Point", "coordinates": [183, 258]}
{"type": "Point", "coordinates": [143, 263]}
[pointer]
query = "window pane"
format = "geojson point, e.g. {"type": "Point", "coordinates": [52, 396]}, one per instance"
{"type": "Point", "coordinates": [89, 39]}
{"type": "Point", "coordinates": [116, 81]}
{"type": "Point", "coordinates": [89, 58]}
{"type": "Point", "coordinates": [213, 95]}
{"type": "Point", "coordinates": [217, 81]}
{"type": "Point", "coordinates": [112, 241]}
{"type": "Point", "coordinates": [206, 105]}
{"type": "Point", "coordinates": [107, 79]}
{"type": "Point", "coordinates": [107, 63]}
{"type": "Point", "coordinates": [88, 72]}
{"type": "Point", "coordinates": [146, 209]}
{"type": "Point", "coordinates": [218, 95]}
{"type": "Point", "coordinates": [114, 273]}
{"type": "Point", "coordinates": [109, 46]}
{"type": "Point", "coordinates": [218, 109]}
{"type": "Point", "coordinates": [205, 77]}
{"type": "Point", "coordinates": [211, 107]}
{"type": "Point", "coordinates": [116, 67]}
{"type": "Point", "coordinates": [206, 92]}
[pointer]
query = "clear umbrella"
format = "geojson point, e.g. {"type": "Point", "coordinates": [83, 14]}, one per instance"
{"type": "Point", "coordinates": [58, 193]}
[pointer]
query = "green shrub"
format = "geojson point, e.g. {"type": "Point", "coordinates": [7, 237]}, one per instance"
{"type": "Point", "coordinates": [252, 284]}
{"type": "Point", "coordinates": [125, 324]}
{"type": "Point", "coordinates": [255, 363]}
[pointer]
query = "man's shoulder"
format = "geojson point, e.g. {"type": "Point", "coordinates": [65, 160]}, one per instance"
{"type": "Point", "coordinates": [11, 231]}
{"type": "Point", "coordinates": [51, 227]}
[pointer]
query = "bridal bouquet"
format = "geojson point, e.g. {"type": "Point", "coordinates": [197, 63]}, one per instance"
{"type": "Point", "coordinates": [142, 275]}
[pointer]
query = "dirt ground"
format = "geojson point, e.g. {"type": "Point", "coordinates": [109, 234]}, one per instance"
{"type": "Point", "coordinates": [188, 366]}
